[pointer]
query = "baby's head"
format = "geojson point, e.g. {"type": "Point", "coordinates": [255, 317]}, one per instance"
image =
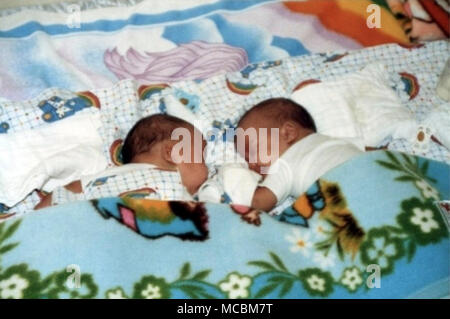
{"type": "Point", "coordinates": [169, 143]}
{"type": "Point", "coordinates": [290, 119]}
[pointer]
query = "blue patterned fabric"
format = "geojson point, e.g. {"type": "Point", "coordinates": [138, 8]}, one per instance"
{"type": "Point", "coordinates": [378, 211]}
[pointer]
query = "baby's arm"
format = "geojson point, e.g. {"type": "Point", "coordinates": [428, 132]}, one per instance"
{"type": "Point", "coordinates": [46, 201]}
{"type": "Point", "coordinates": [264, 199]}
{"type": "Point", "coordinates": [369, 148]}
{"type": "Point", "coordinates": [74, 187]}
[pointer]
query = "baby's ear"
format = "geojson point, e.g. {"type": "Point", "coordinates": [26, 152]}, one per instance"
{"type": "Point", "coordinates": [289, 132]}
{"type": "Point", "coordinates": [167, 152]}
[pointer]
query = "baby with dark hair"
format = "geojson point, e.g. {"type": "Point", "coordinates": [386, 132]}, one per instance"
{"type": "Point", "coordinates": [148, 132]}
{"type": "Point", "coordinates": [153, 140]}
{"type": "Point", "coordinates": [162, 157]}
{"type": "Point", "coordinates": [295, 155]}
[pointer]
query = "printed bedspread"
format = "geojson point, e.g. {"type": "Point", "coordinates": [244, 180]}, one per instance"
{"type": "Point", "coordinates": [93, 45]}
{"type": "Point", "coordinates": [367, 229]}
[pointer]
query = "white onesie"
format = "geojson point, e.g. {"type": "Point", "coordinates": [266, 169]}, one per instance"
{"type": "Point", "coordinates": [304, 162]}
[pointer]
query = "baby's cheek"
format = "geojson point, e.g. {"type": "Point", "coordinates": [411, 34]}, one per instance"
{"type": "Point", "coordinates": [193, 176]}
{"type": "Point", "coordinates": [202, 171]}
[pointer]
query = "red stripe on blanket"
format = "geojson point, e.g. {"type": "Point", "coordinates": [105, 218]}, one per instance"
{"type": "Point", "coordinates": [439, 15]}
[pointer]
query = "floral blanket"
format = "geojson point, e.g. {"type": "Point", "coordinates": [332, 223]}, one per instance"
{"type": "Point", "coordinates": [370, 228]}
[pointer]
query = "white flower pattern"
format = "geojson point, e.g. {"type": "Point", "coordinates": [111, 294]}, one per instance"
{"type": "Point", "coordinates": [13, 287]}
{"type": "Point", "coordinates": [151, 292]}
{"type": "Point", "coordinates": [382, 251]}
{"type": "Point", "coordinates": [301, 242]}
{"type": "Point", "coordinates": [325, 261]}
{"type": "Point", "coordinates": [427, 190]}
{"type": "Point", "coordinates": [321, 229]}
{"type": "Point", "coordinates": [424, 219]}
{"type": "Point", "coordinates": [352, 278]}
{"type": "Point", "coordinates": [236, 286]}
{"type": "Point", "coordinates": [116, 294]}
{"type": "Point", "coordinates": [316, 283]}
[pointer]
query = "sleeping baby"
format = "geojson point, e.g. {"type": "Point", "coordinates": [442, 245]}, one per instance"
{"type": "Point", "coordinates": [299, 157]}
{"type": "Point", "coordinates": [160, 163]}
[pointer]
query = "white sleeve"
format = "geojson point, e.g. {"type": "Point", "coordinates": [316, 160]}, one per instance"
{"type": "Point", "coordinates": [239, 183]}
{"type": "Point", "coordinates": [210, 191]}
{"type": "Point", "coordinates": [279, 180]}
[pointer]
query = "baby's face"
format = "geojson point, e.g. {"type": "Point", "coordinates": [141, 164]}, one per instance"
{"type": "Point", "coordinates": [192, 167]}
{"type": "Point", "coordinates": [264, 146]}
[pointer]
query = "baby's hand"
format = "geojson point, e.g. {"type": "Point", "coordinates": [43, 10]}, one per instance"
{"type": "Point", "coordinates": [46, 201]}
{"type": "Point", "coordinates": [264, 199]}
{"type": "Point", "coordinates": [252, 217]}
{"type": "Point", "coordinates": [74, 187]}
{"type": "Point", "coordinates": [248, 214]}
